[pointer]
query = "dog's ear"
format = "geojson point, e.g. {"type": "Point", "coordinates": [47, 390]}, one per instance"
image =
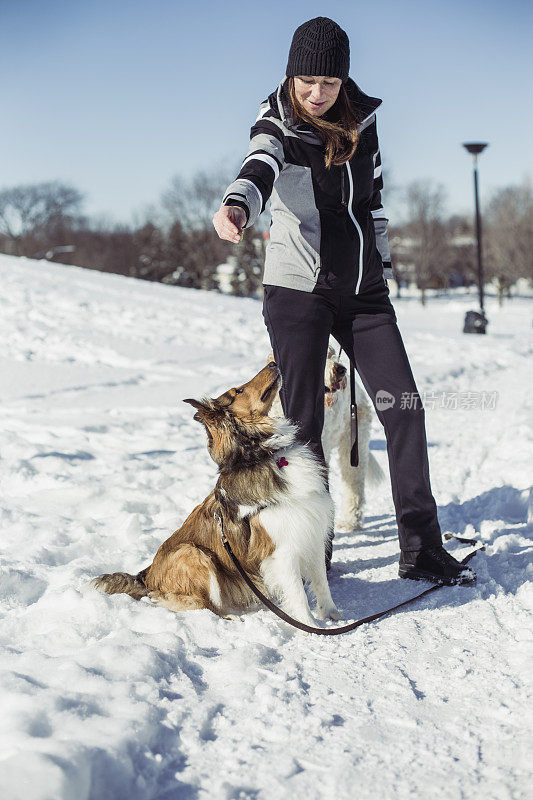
{"type": "Point", "coordinates": [202, 409]}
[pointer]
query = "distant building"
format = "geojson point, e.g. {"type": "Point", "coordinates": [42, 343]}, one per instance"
{"type": "Point", "coordinates": [402, 247]}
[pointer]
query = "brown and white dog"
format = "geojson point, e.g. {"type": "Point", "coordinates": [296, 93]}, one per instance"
{"type": "Point", "coordinates": [276, 513]}
{"type": "Point", "coordinates": [336, 435]}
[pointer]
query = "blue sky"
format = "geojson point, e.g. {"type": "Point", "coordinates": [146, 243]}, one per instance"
{"type": "Point", "coordinates": [116, 97]}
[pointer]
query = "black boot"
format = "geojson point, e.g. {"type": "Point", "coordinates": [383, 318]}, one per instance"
{"type": "Point", "coordinates": [434, 564]}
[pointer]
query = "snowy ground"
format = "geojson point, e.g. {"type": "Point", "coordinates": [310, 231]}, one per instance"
{"type": "Point", "coordinates": [106, 698]}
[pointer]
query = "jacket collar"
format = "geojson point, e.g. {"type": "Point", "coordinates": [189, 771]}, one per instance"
{"type": "Point", "coordinates": [363, 104]}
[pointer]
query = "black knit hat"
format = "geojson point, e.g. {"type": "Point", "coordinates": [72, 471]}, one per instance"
{"type": "Point", "coordinates": [319, 47]}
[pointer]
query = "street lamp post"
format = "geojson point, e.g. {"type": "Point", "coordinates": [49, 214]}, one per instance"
{"type": "Point", "coordinates": [476, 322]}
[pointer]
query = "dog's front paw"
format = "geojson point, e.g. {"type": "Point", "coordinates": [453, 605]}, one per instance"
{"type": "Point", "coordinates": [350, 517]}
{"type": "Point", "coordinates": [344, 527]}
{"type": "Point", "coordinates": [348, 525]}
{"type": "Point", "coordinates": [329, 613]}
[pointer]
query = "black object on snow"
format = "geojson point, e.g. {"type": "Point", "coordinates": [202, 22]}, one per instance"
{"type": "Point", "coordinates": [475, 322]}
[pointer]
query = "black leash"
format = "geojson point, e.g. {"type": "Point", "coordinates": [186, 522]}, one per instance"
{"type": "Point", "coordinates": [354, 452]}
{"type": "Point", "coordinates": [325, 631]}
{"type": "Point", "coordinates": [354, 430]}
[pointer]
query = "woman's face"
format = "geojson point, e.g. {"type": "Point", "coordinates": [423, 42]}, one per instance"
{"type": "Point", "coordinates": [316, 93]}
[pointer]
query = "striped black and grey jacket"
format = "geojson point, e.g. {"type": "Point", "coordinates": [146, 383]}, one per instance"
{"type": "Point", "coordinates": [328, 226]}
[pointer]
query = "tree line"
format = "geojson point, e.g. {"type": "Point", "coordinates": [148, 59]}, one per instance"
{"type": "Point", "coordinates": [440, 251]}
{"type": "Point", "coordinates": [177, 244]}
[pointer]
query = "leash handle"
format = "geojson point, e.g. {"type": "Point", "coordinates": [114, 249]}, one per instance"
{"type": "Point", "coordinates": [462, 539]}
{"type": "Point", "coordinates": [301, 625]}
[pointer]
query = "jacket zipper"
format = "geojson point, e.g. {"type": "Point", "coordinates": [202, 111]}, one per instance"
{"type": "Point", "coordinates": [343, 190]}
{"type": "Point", "coordinates": [359, 231]}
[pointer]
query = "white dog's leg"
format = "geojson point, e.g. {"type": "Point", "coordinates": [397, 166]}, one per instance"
{"type": "Point", "coordinates": [351, 513]}
{"type": "Point", "coordinates": [316, 572]}
{"type": "Point", "coordinates": [282, 576]}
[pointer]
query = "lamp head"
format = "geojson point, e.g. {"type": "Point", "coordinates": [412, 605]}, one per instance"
{"type": "Point", "coordinates": [475, 147]}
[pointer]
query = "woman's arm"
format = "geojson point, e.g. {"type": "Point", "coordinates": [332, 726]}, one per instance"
{"type": "Point", "coordinates": [246, 197]}
{"type": "Point", "coordinates": [380, 220]}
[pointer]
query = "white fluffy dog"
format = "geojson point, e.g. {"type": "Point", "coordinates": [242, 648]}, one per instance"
{"type": "Point", "coordinates": [336, 434]}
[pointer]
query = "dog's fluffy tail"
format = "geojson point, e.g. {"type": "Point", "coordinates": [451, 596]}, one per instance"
{"type": "Point", "coordinates": [375, 474]}
{"type": "Point", "coordinates": [121, 583]}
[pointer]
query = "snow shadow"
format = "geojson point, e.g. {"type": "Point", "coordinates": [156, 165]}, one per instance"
{"type": "Point", "coordinates": [80, 455]}
{"type": "Point", "coordinates": [504, 503]}
{"type": "Point", "coordinates": [358, 598]}
{"type": "Point", "coordinates": [502, 567]}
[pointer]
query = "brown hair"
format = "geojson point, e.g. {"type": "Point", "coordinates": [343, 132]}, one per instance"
{"type": "Point", "coordinates": [339, 133]}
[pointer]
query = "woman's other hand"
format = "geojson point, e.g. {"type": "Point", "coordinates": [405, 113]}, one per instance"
{"type": "Point", "coordinates": [228, 222]}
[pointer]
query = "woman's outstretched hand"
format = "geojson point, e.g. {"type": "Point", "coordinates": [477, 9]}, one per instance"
{"type": "Point", "coordinates": [228, 222]}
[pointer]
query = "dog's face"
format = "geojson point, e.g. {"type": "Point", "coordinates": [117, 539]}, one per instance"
{"type": "Point", "coordinates": [237, 420]}
{"type": "Point", "coordinates": [334, 378]}
{"type": "Point", "coordinates": [254, 399]}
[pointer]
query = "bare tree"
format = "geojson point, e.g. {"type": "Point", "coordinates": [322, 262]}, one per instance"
{"type": "Point", "coordinates": [109, 250]}
{"type": "Point", "coordinates": [249, 256]}
{"type": "Point", "coordinates": [151, 263]}
{"type": "Point", "coordinates": [36, 214]}
{"type": "Point", "coordinates": [177, 246]}
{"type": "Point", "coordinates": [509, 236]}
{"type": "Point", "coordinates": [205, 252]}
{"type": "Point", "coordinates": [462, 260]}
{"type": "Point", "coordinates": [429, 247]}
{"type": "Point", "coordinates": [192, 202]}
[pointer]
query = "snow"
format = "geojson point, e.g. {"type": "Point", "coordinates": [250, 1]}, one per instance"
{"type": "Point", "coordinates": [104, 697]}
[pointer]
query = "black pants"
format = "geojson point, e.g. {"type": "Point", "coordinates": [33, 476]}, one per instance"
{"type": "Point", "coordinates": [299, 325]}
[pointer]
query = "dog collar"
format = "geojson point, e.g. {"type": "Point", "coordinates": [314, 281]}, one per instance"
{"type": "Point", "coordinates": [282, 462]}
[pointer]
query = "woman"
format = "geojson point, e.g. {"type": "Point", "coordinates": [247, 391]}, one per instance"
{"type": "Point", "coordinates": [314, 150]}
